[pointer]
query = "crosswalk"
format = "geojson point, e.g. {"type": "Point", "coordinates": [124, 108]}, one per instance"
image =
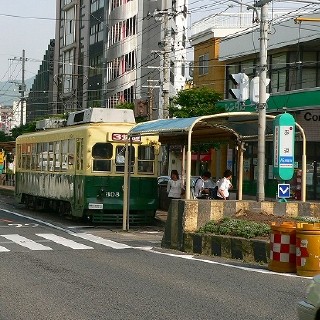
{"type": "Point", "coordinates": [49, 241]}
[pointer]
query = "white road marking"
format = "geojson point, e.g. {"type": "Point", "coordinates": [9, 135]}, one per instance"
{"type": "Point", "coordinates": [25, 242]}
{"type": "Point", "coordinates": [150, 249]}
{"type": "Point", "coordinates": [3, 249]}
{"type": "Point", "coordinates": [102, 241]}
{"type": "Point", "coordinates": [63, 241]}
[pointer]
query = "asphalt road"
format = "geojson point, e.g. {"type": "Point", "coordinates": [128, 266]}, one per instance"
{"type": "Point", "coordinates": [53, 268]}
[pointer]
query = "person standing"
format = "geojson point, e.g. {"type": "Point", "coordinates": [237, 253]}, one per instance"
{"type": "Point", "coordinates": [200, 190]}
{"type": "Point", "coordinates": [174, 186]}
{"type": "Point", "coordinates": [224, 185]}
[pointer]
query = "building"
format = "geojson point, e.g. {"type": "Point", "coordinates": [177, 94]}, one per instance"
{"type": "Point", "coordinates": [293, 69]}
{"type": "Point", "coordinates": [110, 52]}
{"type": "Point", "coordinates": [40, 99]}
{"type": "Point", "coordinates": [6, 119]}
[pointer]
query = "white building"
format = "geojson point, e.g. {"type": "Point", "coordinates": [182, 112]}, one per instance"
{"type": "Point", "coordinates": [108, 52]}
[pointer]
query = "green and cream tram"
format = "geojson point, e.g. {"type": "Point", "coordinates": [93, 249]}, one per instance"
{"type": "Point", "coordinates": [78, 169]}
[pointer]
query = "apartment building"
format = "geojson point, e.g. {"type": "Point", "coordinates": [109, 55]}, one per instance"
{"type": "Point", "coordinates": [110, 52]}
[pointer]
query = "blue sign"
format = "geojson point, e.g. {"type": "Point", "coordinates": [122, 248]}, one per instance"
{"type": "Point", "coordinates": [283, 190]}
{"type": "Point", "coordinates": [286, 161]}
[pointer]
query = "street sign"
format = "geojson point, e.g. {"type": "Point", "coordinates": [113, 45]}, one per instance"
{"type": "Point", "coordinates": [283, 139]}
{"type": "Point", "coordinates": [283, 190]}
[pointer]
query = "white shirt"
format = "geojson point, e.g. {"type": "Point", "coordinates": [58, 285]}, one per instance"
{"type": "Point", "coordinates": [198, 187]}
{"type": "Point", "coordinates": [223, 185]}
{"type": "Point", "coordinates": [174, 188]}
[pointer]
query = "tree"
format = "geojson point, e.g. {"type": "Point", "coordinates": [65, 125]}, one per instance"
{"type": "Point", "coordinates": [195, 102]}
{"type": "Point", "coordinates": [125, 105]}
{"type": "Point", "coordinates": [28, 127]}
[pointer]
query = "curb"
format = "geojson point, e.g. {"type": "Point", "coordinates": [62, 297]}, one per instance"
{"type": "Point", "coordinates": [248, 250]}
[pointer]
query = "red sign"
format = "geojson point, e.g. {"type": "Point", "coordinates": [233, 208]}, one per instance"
{"type": "Point", "coordinates": [123, 137]}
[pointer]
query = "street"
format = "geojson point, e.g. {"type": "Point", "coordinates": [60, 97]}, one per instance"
{"type": "Point", "coordinates": [53, 268]}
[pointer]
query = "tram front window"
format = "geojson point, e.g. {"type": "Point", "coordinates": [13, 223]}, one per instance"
{"type": "Point", "coordinates": [120, 158]}
{"type": "Point", "coordinates": [102, 154]}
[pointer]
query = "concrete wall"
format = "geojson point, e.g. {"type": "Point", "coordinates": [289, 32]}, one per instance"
{"type": "Point", "coordinates": [187, 216]}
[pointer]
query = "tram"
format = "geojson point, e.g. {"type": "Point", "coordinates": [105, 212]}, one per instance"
{"type": "Point", "coordinates": [78, 169]}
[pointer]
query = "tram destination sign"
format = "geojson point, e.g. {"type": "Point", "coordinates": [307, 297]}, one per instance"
{"type": "Point", "coordinates": [284, 136]}
{"type": "Point", "coordinates": [124, 137]}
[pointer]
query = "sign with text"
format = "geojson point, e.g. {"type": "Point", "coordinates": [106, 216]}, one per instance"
{"type": "Point", "coordinates": [283, 139]}
{"type": "Point", "coordinates": [123, 137]}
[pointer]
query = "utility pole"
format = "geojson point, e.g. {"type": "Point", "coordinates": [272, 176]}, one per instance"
{"type": "Point", "coordinates": [262, 98]}
{"type": "Point", "coordinates": [166, 61]}
{"type": "Point", "coordinates": [164, 16]}
{"type": "Point", "coordinates": [22, 88]}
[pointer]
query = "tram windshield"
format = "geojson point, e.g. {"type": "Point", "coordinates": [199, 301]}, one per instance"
{"type": "Point", "coordinates": [102, 154]}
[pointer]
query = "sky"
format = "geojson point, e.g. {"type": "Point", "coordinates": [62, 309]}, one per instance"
{"type": "Point", "coordinates": [25, 25]}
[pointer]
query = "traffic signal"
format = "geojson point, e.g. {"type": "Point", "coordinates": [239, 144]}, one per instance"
{"type": "Point", "coordinates": [242, 82]}
{"type": "Point", "coordinates": [254, 89]}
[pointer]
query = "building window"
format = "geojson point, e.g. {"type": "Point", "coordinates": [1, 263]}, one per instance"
{"type": "Point", "coordinates": [172, 72]}
{"type": "Point", "coordinates": [96, 33]}
{"type": "Point", "coordinates": [68, 64]}
{"type": "Point", "coordinates": [69, 26]}
{"type": "Point", "coordinates": [183, 67]}
{"type": "Point", "coordinates": [96, 5]}
{"type": "Point", "coordinates": [122, 30]}
{"type": "Point", "coordinates": [204, 64]}
{"type": "Point", "coordinates": [278, 72]}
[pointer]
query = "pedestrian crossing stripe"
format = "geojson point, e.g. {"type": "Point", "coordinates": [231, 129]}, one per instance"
{"type": "Point", "coordinates": [99, 240]}
{"type": "Point", "coordinates": [63, 241]}
{"type": "Point", "coordinates": [36, 246]}
{"type": "Point", "coordinates": [3, 249]}
{"type": "Point", "coordinates": [25, 242]}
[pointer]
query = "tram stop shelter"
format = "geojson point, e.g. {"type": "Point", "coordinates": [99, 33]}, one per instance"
{"type": "Point", "coordinates": [233, 127]}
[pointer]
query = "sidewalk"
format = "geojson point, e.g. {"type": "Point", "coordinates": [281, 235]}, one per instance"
{"type": "Point", "coordinates": [7, 190]}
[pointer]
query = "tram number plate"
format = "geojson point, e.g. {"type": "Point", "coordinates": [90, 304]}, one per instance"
{"type": "Point", "coordinates": [95, 206]}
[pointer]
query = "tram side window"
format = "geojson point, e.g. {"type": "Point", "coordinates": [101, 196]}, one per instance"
{"type": "Point", "coordinates": [57, 156]}
{"type": "Point", "coordinates": [102, 154]}
{"type": "Point", "coordinates": [79, 154]}
{"type": "Point", "coordinates": [34, 156]}
{"type": "Point", "coordinates": [18, 158]}
{"type": "Point", "coordinates": [50, 159]}
{"type": "Point", "coordinates": [146, 159]}
{"type": "Point", "coordinates": [26, 156]}
{"type": "Point", "coordinates": [120, 158]}
{"type": "Point", "coordinates": [71, 150]}
{"type": "Point", "coordinates": [43, 156]}
{"type": "Point", "coordinates": [64, 155]}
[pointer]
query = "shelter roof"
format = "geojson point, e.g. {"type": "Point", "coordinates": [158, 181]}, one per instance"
{"type": "Point", "coordinates": [8, 146]}
{"type": "Point", "coordinates": [230, 126]}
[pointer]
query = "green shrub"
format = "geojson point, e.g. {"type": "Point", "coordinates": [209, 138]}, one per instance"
{"type": "Point", "coordinates": [307, 219]}
{"type": "Point", "coordinates": [236, 227]}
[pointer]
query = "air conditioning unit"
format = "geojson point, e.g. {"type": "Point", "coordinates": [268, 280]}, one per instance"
{"type": "Point", "coordinates": [101, 115]}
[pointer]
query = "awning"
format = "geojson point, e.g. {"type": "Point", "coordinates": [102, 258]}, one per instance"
{"type": "Point", "coordinates": [224, 127]}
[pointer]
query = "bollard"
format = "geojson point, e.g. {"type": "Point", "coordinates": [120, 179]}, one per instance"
{"type": "Point", "coordinates": [283, 247]}
{"type": "Point", "coordinates": [308, 249]}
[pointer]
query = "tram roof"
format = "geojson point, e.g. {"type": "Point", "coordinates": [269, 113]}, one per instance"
{"type": "Point", "coordinates": [228, 126]}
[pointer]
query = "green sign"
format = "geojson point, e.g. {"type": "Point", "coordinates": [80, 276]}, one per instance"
{"type": "Point", "coordinates": [283, 141]}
